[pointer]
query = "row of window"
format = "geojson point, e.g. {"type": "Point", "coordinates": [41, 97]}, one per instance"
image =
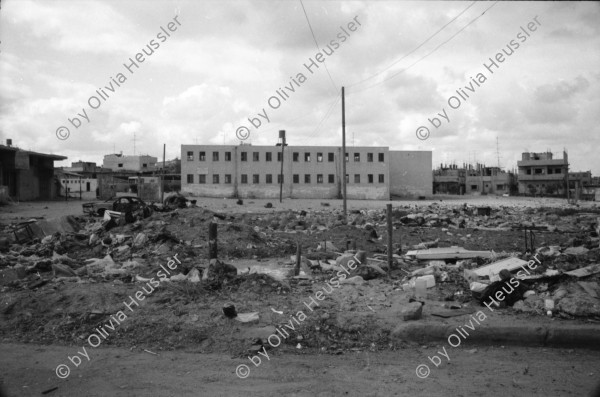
{"type": "Point", "coordinates": [295, 156]}
{"type": "Point", "coordinates": [295, 178]}
{"type": "Point", "coordinates": [541, 171]}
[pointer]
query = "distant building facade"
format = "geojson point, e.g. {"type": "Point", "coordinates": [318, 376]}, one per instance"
{"type": "Point", "coordinates": [542, 174]}
{"type": "Point", "coordinates": [76, 185]}
{"type": "Point", "coordinates": [449, 179]}
{"type": "Point", "coordinates": [120, 162]}
{"type": "Point", "coordinates": [249, 171]}
{"type": "Point", "coordinates": [489, 180]}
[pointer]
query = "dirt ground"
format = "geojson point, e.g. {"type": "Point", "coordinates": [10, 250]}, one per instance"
{"type": "Point", "coordinates": [489, 371]}
{"type": "Point", "coordinates": [45, 318]}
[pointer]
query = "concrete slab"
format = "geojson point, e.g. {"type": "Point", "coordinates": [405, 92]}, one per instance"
{"type": "Point", "coordinates": [448, 253]}
{"type": "Point", "coordinates": [493, 269]}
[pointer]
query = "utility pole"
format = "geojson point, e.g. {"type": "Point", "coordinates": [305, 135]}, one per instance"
{"type": "Point", "coordinates": [344, 153]}
{"type": "Point", "coordinates": [162, 179]}
{"type": "Point", "coordinates": [282, 137]}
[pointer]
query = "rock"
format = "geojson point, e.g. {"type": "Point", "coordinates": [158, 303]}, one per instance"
{"type": "Point", "coordinates": [140, 239]}
{"type": "Point", "coordinates": [580, 304]}
{"type": "Point", "coordinates": [61, 270]}
{"type": "Point", "coordinates": [576, 251]}
{"type": "Point", "coordinates": [412, 311]}
{"type": "Point", "coordinates": [356, 280]}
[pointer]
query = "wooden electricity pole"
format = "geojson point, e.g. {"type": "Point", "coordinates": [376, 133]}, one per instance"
{"type": "Point", "coordinates": [344, 154]}
{"type": "Point", "coordinates": [162, 179]}
{"type": "Point", "coordinates": [282, 136]}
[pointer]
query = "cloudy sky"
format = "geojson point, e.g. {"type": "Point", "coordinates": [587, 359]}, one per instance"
{"type": "Point", "coordinates": [225, 60]}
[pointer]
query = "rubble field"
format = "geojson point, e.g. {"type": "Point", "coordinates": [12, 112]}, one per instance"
{"type": "Point", "coordinates": [150, 283]}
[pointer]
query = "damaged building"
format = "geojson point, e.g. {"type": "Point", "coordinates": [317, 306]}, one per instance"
{"type": "Point", "coordinates": [27, 175]}
{"type": "Point", "coordinates": [542, 174]}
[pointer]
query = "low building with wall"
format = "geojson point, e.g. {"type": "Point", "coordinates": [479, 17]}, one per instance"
{"type": "Point", "coordinates": [28, 175]}
{"type": "Point", "coordinates": [76, 185]}
{"type": "Point", "coordinates": [410, 173]}
{"type": "Point", "coordinates": [120, 162]}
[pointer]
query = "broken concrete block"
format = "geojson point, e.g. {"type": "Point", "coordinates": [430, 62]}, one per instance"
{"type": "Point", "coordinates": [448, 253]}
{"type": "Point", "coordinates": [140, 240]}
{"type": "Point", "coordinates": [61, 270]}
{"type": "Point", "coordinates": [576, 251]}
{"type": "Point", "coordinates": [493, 269]}
{"type": "Point", "coordinates": [412, 311]}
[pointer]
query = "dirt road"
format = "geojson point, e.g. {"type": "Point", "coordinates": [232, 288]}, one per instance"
{"type": "Point", "coordinates": [28, 370]}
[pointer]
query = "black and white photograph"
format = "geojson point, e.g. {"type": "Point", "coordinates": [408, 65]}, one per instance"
{"type": "Point", "coordinates": [299, 198]}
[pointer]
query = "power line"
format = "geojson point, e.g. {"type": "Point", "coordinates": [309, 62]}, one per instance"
{"type": "Point", "coordinates": [416, 48]}
{"type": "Point", "coordinates": [325, 117]}
{"type": "Point", "coordinates": [426, 55]}
{"type": "Point", "coordinates": [317, 44]}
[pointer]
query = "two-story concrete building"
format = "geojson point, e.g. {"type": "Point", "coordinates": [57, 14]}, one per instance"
{"type": "Point", "coordinates": [540, 173]}
{"type": "Point", "coordinates": [488, 180]}
{"type": "Point", "coordinates": [249, 171]}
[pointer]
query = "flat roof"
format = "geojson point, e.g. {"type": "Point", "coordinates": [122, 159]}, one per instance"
{"type": "Point", "coordinates": [16, 149]}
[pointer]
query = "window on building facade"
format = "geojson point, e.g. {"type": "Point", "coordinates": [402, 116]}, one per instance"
{"type": "Point", "coordinates": [244, 156]}
{"type": "Point", "coordinates": [215, 156]}
{"type": "Point", "coordinates": [296, 157]}
{"type": "Point", "coordinates": [296, 178]}
{"type": "Point", "coordinates": [144, 165]}
{"type": "Point", "coordinates": [319, 157]}
{"type": "Point", "coordinates": [319, 178]}
{"type": "Point", "coordinates": [216, 179]}
{"type": "Point", "coordinates": [268, 156]}
{"type": "Point", "coordinates": [244, 178]}
{"type": "Point", "coordinates": [356, 178]}
{"type": "Point", "coordinates": [120, 165]}
{"type": "Point", "coordinates": [279, 156]}
{"type": "Point", "coordinates": [381, 157]}
{"type": "Point", "coordinates": [269, 178]}
{"type": "Point", "coordinates": [474, 187]}
{"type": "Point", "coordinates": [331, 178]}
{"type": "Point", "coordinates": [370, 178]}
{"type": "Point", "coordinates": [202, 178]}
{"type": "Point", "coordinates": [306, 178]}
{"type": "Point", "coordinates": [255, 156]}
{"type": "Point", "coordinates": [347, 178]}
{"type": "Point", "coordinates": [356, 157]}
{"type": "Point", "coordinates": [499, 187]}
{"type": "Point", "coordinates": [190, 178]}
{"type": "Point", "coordinates": [227, 178]}
{"type": "Point", "coordinates": [347, 157]}
{"type": "Point", "coordinates": [255, 179]}
{"type": "Point", "coordinates": [202, 156]}
{"type": "Point", "coordinates": [190, 156]}
{"type": "Point", "coordinates": [369, 157]}
{"type": "Point", "coordinates": [227, 156]}
{"type": "Point", "coordinates": [381, 178]}
{"type": "Point", "coordinates": [307, 157]}
{"type": "Point", "coordinates": [330, 157]}
{"type": "Point", "coordinates": [279, 178]}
